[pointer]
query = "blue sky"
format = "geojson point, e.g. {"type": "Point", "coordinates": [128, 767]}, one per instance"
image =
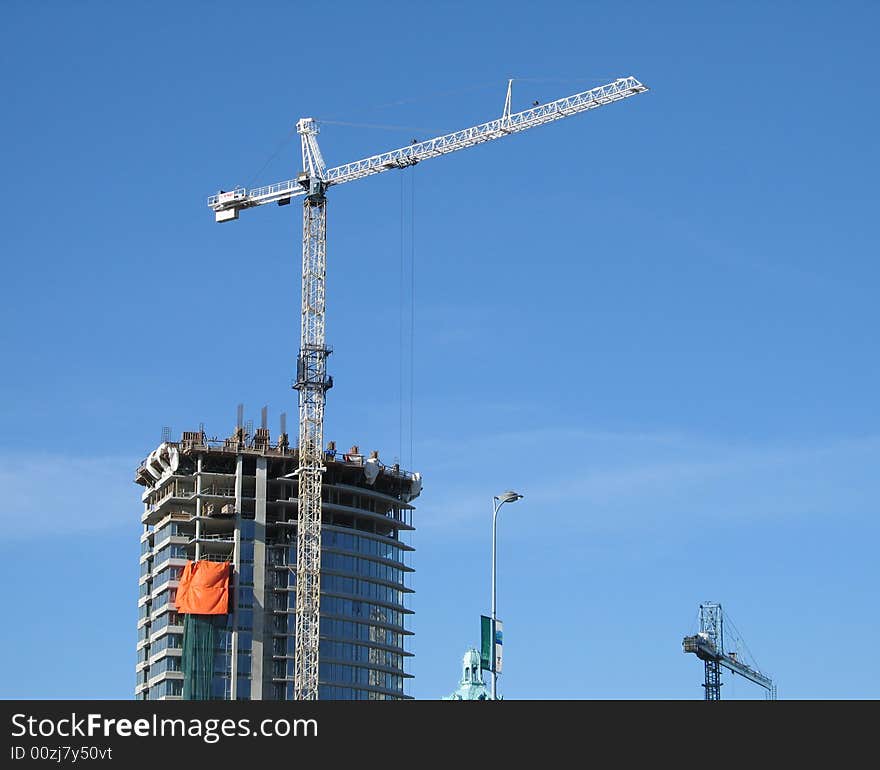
{"type": "Point", "coordinates": [657, 320]}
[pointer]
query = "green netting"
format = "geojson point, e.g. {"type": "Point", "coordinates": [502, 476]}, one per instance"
{"type": "Point", "coordinates": [197, 661]}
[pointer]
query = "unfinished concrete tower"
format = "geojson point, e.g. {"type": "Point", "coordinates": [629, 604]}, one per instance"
{"type": "Point", "coordinates": [235, 500]}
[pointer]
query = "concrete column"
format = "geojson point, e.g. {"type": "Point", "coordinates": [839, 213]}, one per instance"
{"type": "Point", "coordinates": [198, 507]}
{"type": "Point", "coordinates": [258, 653]}
{"type": "Point", "coordinates": [236, 564]}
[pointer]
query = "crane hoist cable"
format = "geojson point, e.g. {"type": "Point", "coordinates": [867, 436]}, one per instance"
{"type": "Point", "coordinates": [412, 308]}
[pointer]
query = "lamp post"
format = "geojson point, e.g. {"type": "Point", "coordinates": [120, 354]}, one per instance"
{"type": "Point", "coordinates": [505, 497]}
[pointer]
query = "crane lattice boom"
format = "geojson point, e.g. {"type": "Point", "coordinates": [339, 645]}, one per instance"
{"type": "Point", "coordinates": [415, 153]}
{"type": "Point", "coordinates": [312, 381]}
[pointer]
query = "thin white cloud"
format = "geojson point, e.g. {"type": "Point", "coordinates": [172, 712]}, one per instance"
{"type": "Point", "coordinates": [46, 494]}
{"type": "Point", "coordinates": [613, 481]}
{"type": "Point", "coordinates": [598, 481]}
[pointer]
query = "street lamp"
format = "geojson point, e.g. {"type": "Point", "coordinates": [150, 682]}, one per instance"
{"type": "Point", "coordinates": [505, 497]}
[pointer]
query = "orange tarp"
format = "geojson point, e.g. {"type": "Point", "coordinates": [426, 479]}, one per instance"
{"type": "Point", "coordinates": [204, 588]}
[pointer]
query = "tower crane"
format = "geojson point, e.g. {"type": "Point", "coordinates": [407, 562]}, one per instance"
{"type": "Point", "coordinates": [312, 381]}
{"type": "Point", "coordinates": [708, 646]}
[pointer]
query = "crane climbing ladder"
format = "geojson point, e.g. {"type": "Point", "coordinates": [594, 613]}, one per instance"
{"type": "Point", "coordinates": [312, 381]}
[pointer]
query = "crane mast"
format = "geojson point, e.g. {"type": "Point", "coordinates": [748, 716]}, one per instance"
{"type": "Point", "coordinates": [312, 381]}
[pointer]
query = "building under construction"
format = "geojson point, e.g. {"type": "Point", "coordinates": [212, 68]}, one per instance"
{"type": "Point", "coordinates": [233, 502]}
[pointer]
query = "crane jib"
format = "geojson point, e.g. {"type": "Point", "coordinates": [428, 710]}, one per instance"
{"type": "Point", "coordinates": [537, 115]}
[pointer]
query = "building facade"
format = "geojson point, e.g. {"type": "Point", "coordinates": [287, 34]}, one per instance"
{"type": "Point", "coordinates": [235, 500]}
